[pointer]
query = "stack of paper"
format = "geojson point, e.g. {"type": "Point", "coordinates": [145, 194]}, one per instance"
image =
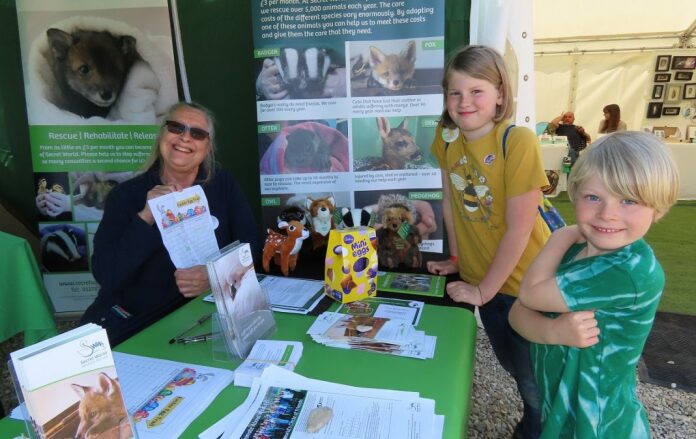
{"type": "Point", "coordinates": [281, 404]}
{"type": "Point", "coordinates": [292, 295]}
{"type": "Point", "coordinates": [285, 354]}
{"type": "Point", "coordinates": [377, 334]}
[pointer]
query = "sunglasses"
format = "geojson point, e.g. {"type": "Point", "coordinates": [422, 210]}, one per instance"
{"type": "Point", "coordinates": [179, 128]}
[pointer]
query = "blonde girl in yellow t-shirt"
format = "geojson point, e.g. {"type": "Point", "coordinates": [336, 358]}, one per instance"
{"type": "Point", "coordinates": [490, 206]}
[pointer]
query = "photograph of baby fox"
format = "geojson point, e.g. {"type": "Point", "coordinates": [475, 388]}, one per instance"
{"type": "Point", "coordinates": [395, 67]}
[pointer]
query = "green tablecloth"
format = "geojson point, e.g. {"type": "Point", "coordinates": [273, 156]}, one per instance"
{"type": "Point", "coordinates": [24, 305]}
{"type": "Point", "coordinates": [446, 378]}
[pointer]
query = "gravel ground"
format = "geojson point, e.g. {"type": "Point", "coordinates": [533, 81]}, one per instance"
{"type": "Point", "coordinates": [495, 407]}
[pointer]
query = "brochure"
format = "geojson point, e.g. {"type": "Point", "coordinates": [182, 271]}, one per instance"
{"type": "Point", "coordinates": [394, 309]}
{"type": "Point", "coordinates": [183, 218]}
{"type": "Point", "coordinates": [78, 394]}
{"type": "Point", "coordinates": [411, 283]}
{"type": "Point", "coordinates": [292, 295]}
{"type": "Point", "coordinates": [284, 404]}
{"type": "Point", "coordinates": [285, 354]}
{"type": "Point", "coordinates": [244, 311]}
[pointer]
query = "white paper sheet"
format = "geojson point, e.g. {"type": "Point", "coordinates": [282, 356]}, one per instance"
{"type": "Point", "coordinates": [187, 228]}
{"type": "Point", "coordinates": [164, 396]}
{"type": "Point", "coordinates": [285, 354]}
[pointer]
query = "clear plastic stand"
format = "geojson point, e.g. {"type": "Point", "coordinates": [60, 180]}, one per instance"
{"type": "Point", "coordinates": [221, 352]}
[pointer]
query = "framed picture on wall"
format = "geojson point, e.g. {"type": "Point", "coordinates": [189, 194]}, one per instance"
{"type": "Point", "coordinates": [670, 111]}
{"type": "Point", "coordinates": [663, 77]}
{"type": "Point", "coordinates": [654, 110]}
{"type": "Point", "coordinates": [673, 93]}
{"type": "Point", "coordinates": [658, 90]}
{"type": "Point", "coordinates": [689, 91]}
{"type": "Point", "coordinates": [683, 76]}
{"type": "Point", "coordinates": [662, 63]}
{"type": "Point", "coordinates": [683, 62]}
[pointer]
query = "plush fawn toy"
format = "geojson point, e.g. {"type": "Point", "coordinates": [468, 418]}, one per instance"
{"type": "Point", "coordinates": [283, 249]}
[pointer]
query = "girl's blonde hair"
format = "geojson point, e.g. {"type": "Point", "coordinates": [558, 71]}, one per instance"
{"type": "Point", "coordinates": [208, 164]}
{"type": "Point", "coordinates": [485, 63]}
{"type": "Point", "coordinates": [632, 165]}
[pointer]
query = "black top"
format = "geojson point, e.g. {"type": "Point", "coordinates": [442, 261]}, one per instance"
{"type": "Point", "coordinates": [575, 140]}
{"type": "Point", "coordinates": [131, 263]}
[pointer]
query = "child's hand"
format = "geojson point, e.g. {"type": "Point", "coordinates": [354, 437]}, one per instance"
{"type": "Point", "coordinates": [442, 268]}
{"type": "Point", "coordinates": [578, 329]}
{"type": "Point", "coordinates": [463, 292]}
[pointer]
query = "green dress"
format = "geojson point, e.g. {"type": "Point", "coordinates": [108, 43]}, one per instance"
{"type": "Point", "coordinates": [590, 392]}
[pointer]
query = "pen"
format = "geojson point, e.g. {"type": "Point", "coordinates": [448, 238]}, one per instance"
{"type": "Point", "coordinates": [195, 338]}
{"type": "Point", "coordinates": [198, 322]}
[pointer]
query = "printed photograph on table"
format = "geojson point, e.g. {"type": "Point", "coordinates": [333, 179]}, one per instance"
{"type": "Point", "coordinates": [683, 76]}
{"type": "Point", "coordinates": [308, 71]}
{"type": "Point", "coordinates": [671, 111]}
{"type": "Point", "coordinates": [393, 143]}
{"type": "Point", "coordinates": [657, 91]}
{"type": "Point", "coordinates": [396, 67]}
{"type": "Point", "coordinates": [689, 91]}
{"type": "Point", "coordinates": [52, 200]}
{"type": "Point", "coordinates": [662, 63]}
{"type": "Point", "coordinates": [63, 247]}
{"type": "Point", "coordinates": [131, 78]}
{"type": "Point", "coordinates": [673, 93]}
{"type": "Point", "coordinates": [654, 110]}
{"type": "Point", "coordinates": [299, 147]}
{"type": "Point", "coordinates": [683, 62]}
{"type": "Point", "coordinates": [663, 77]}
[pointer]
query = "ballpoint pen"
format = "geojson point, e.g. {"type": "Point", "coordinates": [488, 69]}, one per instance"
{"type": "Point", "coordinates": [195, 338]}
{"type": "Point", "coordinates": [198, 322]}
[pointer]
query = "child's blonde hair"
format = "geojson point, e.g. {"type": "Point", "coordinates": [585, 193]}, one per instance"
{"type": "Point", "coordinates": [485, 63]}
{"type": "Point", "coordinates": [632, 165]}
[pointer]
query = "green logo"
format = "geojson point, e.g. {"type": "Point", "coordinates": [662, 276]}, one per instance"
{"type": "Point", "coordinates": [433, 45]}
{"type": "Point", "coordinates": [437, 195]}
{"type": "Point", "coordinates": [266, 52]}
{"type": "Point", "coordinates": [268, 128]}
{"type": "Point", "coordinates": [270, 201]}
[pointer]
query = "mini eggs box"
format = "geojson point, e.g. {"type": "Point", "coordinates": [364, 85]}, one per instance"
{"type": "Point", "coordinates": [351, 264]}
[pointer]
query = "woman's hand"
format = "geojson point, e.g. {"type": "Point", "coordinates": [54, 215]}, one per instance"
{"type": "Point", "coordinates": [157, 191]}
{"type": "Point", "coordinates": [442, 268]}
{"type": "Point", "coordinates": [192, 281]}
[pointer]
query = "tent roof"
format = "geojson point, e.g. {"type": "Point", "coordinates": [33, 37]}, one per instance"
{"type": "Point", "coordinates": [624, 23]}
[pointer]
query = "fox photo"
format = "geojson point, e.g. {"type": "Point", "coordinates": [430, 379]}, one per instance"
{"type": "Point", "coordinates": [393, 143]}
{"type": "Point", "coordinates": [88, 405]}
{"type": "Point", "coordinates": [395, 67]}
{"type": "Point", "coordinates": [302, 72]}
{"type": "Point", "coordinates": [297, 147]}
{"type": "Point", "coordinates": [99, 66]}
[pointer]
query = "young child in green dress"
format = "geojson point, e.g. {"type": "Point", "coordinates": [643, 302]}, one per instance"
{"type": "Point", "coordinates": [588, 300]}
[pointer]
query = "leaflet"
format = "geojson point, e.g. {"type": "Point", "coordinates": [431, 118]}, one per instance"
{"type": "Point", "coordinates": [188, 230]}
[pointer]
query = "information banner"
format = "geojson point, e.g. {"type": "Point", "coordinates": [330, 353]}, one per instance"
{"type": "Point", "coordinates": [348, 98]}
{"type": "Point", "coordinates": [98, 76]}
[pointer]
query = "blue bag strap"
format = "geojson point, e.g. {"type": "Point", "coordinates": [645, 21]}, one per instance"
{"type": "Point", "coordinates": [505, 136]}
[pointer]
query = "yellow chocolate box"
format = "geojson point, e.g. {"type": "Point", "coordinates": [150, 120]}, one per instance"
{"type": "Point", "coordinates": [351, 264]}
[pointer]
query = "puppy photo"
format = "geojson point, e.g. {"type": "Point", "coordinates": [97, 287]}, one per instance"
{"type": "Point", "coordinates": [396, 146]}
{"type": "Point", "coordinates": [92, 69]}
{"type": "Point", "coordinates": [394, 67]}
{"type": "Point", "coordinates": [89, 68]}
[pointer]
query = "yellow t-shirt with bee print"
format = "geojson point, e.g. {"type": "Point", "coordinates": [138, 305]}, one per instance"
{"type": "Point", "coordinates": [480, 180]}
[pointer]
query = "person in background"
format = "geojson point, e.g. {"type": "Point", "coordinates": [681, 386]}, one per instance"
{"type": "Point", "coordinates": [612, 120]}
{"type": "Point", "coordinates": [138, 281]}
{"type": "Point", "coordinates": [589, 299]}
{"type": "Point", "coordinates": [578, 139]}
{"type": "Point", "coordinates": [490, 207]}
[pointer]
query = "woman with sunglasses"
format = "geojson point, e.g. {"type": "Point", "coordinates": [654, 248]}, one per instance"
{"type": "Point", "coordinates": [139, 284]}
